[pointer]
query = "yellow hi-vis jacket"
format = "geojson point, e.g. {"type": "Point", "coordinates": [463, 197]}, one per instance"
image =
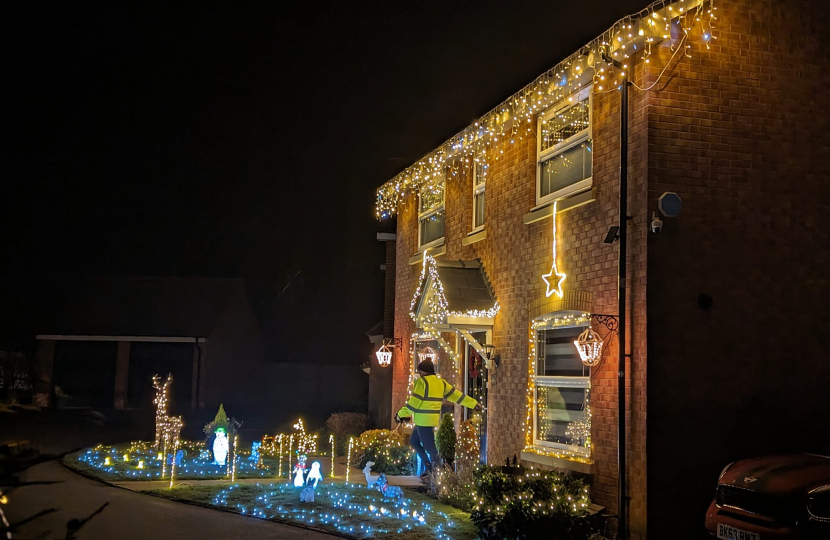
{"type": "Point", "coordinates": [425, 401]}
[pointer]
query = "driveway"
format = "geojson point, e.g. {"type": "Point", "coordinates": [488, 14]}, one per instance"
{"type": "Point", "coordinates": [129, 515]}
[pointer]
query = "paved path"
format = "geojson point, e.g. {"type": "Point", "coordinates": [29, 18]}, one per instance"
{"type": "Point", "coordinates": [129, 515]}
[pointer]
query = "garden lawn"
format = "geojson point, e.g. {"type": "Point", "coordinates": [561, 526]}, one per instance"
{"type": "Point", "coordinates": [107, 463]}
{"type": "Point", "coordinates": [351, 510]}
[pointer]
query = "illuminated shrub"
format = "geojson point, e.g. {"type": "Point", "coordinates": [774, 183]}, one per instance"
{"type": "Point", "coordinates": [386, 449]}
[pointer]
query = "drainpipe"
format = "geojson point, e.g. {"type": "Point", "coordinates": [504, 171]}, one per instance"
{"type": "Point", "coordinates": [622, 499]}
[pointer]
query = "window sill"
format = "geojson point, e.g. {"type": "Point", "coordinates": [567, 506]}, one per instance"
{"type": "Point", "coordinates": [434, 251]}
{"type": "Point", "coordinates": [546, 210]}
{"type": "Point", "coordinates": [576, 464]}
{"type": "Point", "coordinates": [475, 236]}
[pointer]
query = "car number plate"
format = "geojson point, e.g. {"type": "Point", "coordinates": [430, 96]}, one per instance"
{"type": "Point", "coordinates": [726, 532]}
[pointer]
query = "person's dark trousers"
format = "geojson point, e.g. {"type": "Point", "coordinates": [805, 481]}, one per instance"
{"type": "Point", "coordinates": [423, 442]}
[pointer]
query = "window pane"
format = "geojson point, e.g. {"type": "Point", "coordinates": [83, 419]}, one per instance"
{"type": "Point", "coordinates": [432, 227]}
{"type": "Point", "coordinates": [432, 196]}
{"type": "Point", "coordinates": [478, 209]}
{"type": "Point", "coordinates": [565, 124]}
{"type": "Point", "coordinates": [556, 410]}
{"type": "Point", "coordinates": [566, 168]}
{"type": "Point", "coordinates": [557, 354]}
{"type": "Point", "coordinates": [481, 173]}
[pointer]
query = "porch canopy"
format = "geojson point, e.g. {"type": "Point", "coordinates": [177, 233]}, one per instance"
{"type": "Point", "coordinates": [454, 296]}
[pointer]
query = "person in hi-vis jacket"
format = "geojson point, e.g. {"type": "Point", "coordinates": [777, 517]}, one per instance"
{"type": "Point", "coordinates": [424, 407]}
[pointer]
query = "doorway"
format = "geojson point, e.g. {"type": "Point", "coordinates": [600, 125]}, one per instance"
{"type": "Point", "coordinates": [475, 386]}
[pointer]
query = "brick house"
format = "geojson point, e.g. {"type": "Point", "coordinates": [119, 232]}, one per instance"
{"type": "Point", "coordinates": [730, 117]}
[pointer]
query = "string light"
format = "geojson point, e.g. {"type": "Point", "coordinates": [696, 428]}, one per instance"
{"type": "Point", "coordinates": [512, 119]}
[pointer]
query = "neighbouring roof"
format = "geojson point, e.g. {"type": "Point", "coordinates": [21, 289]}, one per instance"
{"type": "Point", "coordinates": [145, 306]}
{"type": "Point", "coordinates": [376, 330]}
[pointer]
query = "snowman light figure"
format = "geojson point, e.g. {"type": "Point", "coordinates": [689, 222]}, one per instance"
{"type": "Point", "coordinates": [220, 447]}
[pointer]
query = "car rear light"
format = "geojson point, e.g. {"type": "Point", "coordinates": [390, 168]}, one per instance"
{"type": "Point", "coordinates": [818, 504]}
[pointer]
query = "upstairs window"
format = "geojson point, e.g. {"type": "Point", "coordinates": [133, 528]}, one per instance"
{"type": "Point", "coordinates": [431, 215]}
{"type": "Point", "coordinates": [480, 171]}
{"type": "Point", "coordinates": [565, 149]}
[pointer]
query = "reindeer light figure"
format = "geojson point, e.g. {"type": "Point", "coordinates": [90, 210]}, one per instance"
{"type": "Point", "coordinates": [160, 402]}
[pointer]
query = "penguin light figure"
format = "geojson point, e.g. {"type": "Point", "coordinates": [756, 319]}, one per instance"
{"type": "Point", "coordinates": [299, 472]}
{"type": "Point", "coordinates": [220, 447]}
{"type": "Point", "coordinates": [314, 476]}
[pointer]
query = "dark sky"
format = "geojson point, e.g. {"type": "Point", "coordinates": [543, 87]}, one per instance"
{"type": "Point", "coordinates": [242, 140]}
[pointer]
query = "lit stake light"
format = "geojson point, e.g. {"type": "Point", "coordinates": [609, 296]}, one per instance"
{"type": "Point", "coordinates": [554, 279]}
{"type": "Point", "coordinates": [349, 459]}
{"type": "Point", "coordinates": [384, 355]}
{"type": "Point", "coordinates": [331, 440]}
{"type": "Point", "coordinates": [235, 446]}
{"type": "Point", "coordinates": [589, 346]}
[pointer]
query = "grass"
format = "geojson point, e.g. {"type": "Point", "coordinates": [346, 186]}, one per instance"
{"type": "Point", "coordinates": [351, 510]}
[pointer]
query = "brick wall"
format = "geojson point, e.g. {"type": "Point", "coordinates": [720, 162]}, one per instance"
{"type": "Point", "coordinates": [515, 256]}
{"type": "Point", "coordinates": [741, 133]}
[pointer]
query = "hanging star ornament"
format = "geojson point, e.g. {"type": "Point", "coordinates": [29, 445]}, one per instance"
{"type": "Point", "coordinates": [554, 279]}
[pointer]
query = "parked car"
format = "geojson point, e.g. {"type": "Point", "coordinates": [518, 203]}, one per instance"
{"type": "Point", "coordinates": [772, 497]}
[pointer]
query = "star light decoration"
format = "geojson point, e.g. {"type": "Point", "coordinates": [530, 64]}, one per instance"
{"type": "Point", "coordinates": [554, 278]}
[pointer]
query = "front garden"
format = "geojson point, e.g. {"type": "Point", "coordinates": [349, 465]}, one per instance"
{"type": "Point", "coordinates": [289, 477]}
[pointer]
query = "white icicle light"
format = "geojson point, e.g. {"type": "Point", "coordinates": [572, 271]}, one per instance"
{"type": "Point", "coordinates": [589, 346]}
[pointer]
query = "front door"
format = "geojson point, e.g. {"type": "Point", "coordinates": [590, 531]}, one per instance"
{"type": "Point", "coordinates": [476, 387]}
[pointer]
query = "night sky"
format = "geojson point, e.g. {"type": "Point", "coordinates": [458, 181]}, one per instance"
{"type": "Point", "coordinates": [247, 141]}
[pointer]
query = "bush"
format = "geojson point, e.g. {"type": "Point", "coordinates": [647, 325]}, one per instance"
{"type": "Point", "coordinates": [452, 487]}
{"type": "Point", "coordinates": [445, 439]}
{"type": "Point", "coordinates": [467, 449]}
{"type": "Point", "coordinates": [386, 449]}
{"type": "Point", "coordinates": [344, 425]}
{"type": "Point", "coordinates": [531, 504]}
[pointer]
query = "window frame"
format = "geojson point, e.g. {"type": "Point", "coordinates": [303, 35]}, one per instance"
{"type": "Point", "coordinates": [557, 381]}
{"type": "Point", "coordinates": [545, 155]}
{"type": "Point", "coordinates": [477, 190]}
{"type": "Point", "coordinates": [422, 215]}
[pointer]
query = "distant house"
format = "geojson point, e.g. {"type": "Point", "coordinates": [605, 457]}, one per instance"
{"type": "Point", "coordinates": [106, 341]}
{"type": "Point", "coordinates": [724, 310]}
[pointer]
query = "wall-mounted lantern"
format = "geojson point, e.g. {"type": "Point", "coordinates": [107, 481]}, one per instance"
{"type": "Point", "coordinates": [384, 354]}
{"type": "Point", "coordinates": [589, 346]}
{"type": "Point", "coordinates": [491, 358]}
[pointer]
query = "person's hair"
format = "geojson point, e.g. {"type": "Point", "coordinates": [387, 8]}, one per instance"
{"type": "Point", "coordinates": [427, 367]}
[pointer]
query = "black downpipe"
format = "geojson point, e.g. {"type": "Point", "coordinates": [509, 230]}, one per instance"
{"type": "Point", "coordinates": [622, 532]}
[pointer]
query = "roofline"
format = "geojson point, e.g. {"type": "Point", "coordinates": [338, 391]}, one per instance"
{"type": "Point", "coordinates": [140, 339]}
{"type": "Point", "coordinates": [468, 139]}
